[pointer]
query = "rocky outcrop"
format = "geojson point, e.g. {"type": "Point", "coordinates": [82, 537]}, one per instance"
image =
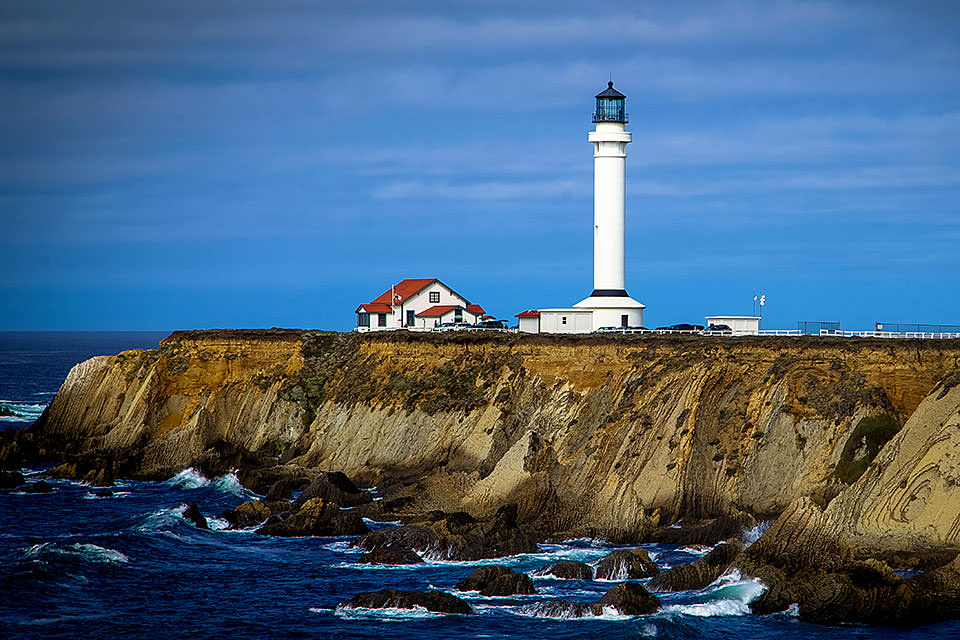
{"type": "Point", "coordinates": [11, 479]}
{"type": "Point", "coordinates": [908, 498]}
{"type": "Point", "coordinates": [457, 536]}
{"type": "Point", "coordinates": [628, 564]}
{"type": "Point", "coordinates": [192, 513]}
{"type": "Point", "coordinates": [315, 517]}
{"type": "Point", "coordinates": [804, 559]}
{"type": "Point", "coordinates": [571, 570]}
{"type": "Point", "coordinates": [493, 580]}
{"type": "Point", "coordinates": [699, 574]}
{"type": "Point", "coordinates": [629, 599]}
{"type": "Point", "coordinates": [391, 554]}
{"type": "Point", "coordinates": [437, 601]}
{"type": "Point", "coordinates": [254, 512]}
{"type": "Point", "coordinates": [40, 486]}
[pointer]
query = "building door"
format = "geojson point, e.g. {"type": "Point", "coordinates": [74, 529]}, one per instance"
{"type": "Point", "coordinates": [624, 321]}
{"type": "Point", "coordinates": [410, 317]}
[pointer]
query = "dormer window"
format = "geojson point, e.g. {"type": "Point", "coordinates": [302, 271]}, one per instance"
{"type": "Point", "coordinates": [434, 297]}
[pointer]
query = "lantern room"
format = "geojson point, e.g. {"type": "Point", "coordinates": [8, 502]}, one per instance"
{"type": "Point", "coordinates": [610, 106]}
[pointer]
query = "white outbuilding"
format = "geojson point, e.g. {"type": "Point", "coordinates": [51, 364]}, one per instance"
{"type": "Point", "coordinates": [416, 303]}
{"type": "Point", "coordinates": [739, 325]}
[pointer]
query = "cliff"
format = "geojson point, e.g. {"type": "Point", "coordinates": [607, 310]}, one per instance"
{"type": "Point", "coordinates": [591, 434]}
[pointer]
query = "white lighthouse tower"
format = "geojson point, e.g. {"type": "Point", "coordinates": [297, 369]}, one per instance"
{"type": "Point", "coordinates": [609, 301]}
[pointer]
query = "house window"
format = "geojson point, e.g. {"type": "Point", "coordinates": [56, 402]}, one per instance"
{"type": "Point", "coordinates": [434, 297]}
{"type": "Point", "coordinates": [563, 319]}
{"type": "Point", "coordinates": [363, 319]}
{"type": "Point", "coordinates": [381, 319]}
{"type": "Point", "coordinates": [410, 317]}
{"type": "Point", "coordinates": [458, 315]}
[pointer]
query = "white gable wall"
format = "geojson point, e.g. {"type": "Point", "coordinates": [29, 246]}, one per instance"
{"type": "Point", "coordinates": [421, 301]}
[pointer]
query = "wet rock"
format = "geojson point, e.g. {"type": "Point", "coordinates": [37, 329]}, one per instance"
{"type": "Point", "coordinates": [40, 486]}
{"type": "Point", "coordinates": [335, 487]}
{"type": "Point", "coordinates": [496, 580]}
{"type": "Point", "coordinates": [192, 513]}
{"type": "Point", "coordinates": [315, 517]}
{"type": "Point", "coordinates": [392, 554]}
{"type": "Point", "coordinates": [103, 493]}
{"type": "Point", "coordinates": [568, 570]}
{"type": "Point", "coordinates": [6, 412]}
{"type": "Point", "coordinates": [699, 574]}
{"type": "Point", "coordinates": [437, 601]}
{"type": "Point", "coordinates": [630, 599]}
{"type": "Point", "coordinates": [563, 609]}
{"type": "Point", "coordinates": [11, 479]}
{"type": "Point", "coordinates": [254, 512]}
{"type": "Point", "coordinates": [628, 564]}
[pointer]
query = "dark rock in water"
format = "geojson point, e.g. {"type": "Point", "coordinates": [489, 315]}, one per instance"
{"type": "Point", "coordinates": [315, 517]}
{"type": "Point", "coordinates": [103, 493]}
{"type": "Point", "coordinates": [707, 531]}
{"type": "Point", "coordinates": [393, 554]}
{"type": "Point", "coordinates": [497, 581]}
{"type": "Point", "coordinates": [457, 536]}
{"type": "Point", "coordinates": [335, 487]}
{"type": "Point", "coordinates": [628, 564]}
{"type": "Point", "coordinates": [192, 513]}
{"type": "Point", "coordinates": [568, 570]}
{"type": "Point", "coordinates": [630, 599]}
{"type": "Point", "coordinates": [437, 601]}
{"type": "Point", "coordinates": [11, 479]}
{"type": "Point", "coordinates": [563, 609]}
{"type": "Point", "coordinates": [40, 486]}
{"type": "Point", "coordinates": [7, 412]}
{"type": "Point", "coordinates": [701, 573]}
{"type": "Point", "coordinates": [254, 512]}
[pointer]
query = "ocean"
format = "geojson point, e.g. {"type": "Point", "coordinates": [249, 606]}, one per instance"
{"type": "Point", "coordinates": [74, 565]}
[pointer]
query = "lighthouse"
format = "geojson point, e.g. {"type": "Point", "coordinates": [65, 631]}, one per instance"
{"type": "Point", "coordinates": [609, 301]}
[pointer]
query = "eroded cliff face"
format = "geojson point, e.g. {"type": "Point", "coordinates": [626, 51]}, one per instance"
{"type": "Point", "coordinates": [596, 435]}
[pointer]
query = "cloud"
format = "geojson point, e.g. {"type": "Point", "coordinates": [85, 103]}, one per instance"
{"type": "Point", "coordinates": [483, 190]}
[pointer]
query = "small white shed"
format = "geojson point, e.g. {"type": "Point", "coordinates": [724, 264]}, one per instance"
{"type": "Point", "coordinates": [740, 325]}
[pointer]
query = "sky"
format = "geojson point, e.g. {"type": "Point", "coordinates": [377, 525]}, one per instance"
{"type": "Point", "coordinates": [184, 165]}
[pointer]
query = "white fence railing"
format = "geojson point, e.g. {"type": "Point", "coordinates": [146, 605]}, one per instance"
{"type": "Point", "coordinates": [923, 335]}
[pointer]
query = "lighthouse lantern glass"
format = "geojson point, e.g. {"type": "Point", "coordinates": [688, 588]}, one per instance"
{"type": "Point", "coordinates": [609, 110]}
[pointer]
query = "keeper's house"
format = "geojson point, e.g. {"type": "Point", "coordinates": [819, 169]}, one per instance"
{"type": "Point", "coordinates": [420, 303]}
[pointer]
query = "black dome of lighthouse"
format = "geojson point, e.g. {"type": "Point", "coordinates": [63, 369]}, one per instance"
{"type": "Point", "coordinates": [610, 106]}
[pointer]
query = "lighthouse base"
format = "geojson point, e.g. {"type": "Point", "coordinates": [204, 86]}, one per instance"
{"type": "Point", "coordinates": [613, 311]}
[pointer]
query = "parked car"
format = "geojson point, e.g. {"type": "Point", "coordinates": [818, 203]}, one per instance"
{"type": "Point", "coordinates": [490, 324]}
{"type": "Point", "coordinates": [682, 327]}
{"type": "Point", "coordinates": [722, 329]}
{"type": "Point", "coordinates": [452, 326]}
{"type": "Point", "coordinates": [609, 329]}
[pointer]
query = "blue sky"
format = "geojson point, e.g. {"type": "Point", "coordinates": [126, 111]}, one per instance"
{"type": "Point", "coordinates": [257, 164]}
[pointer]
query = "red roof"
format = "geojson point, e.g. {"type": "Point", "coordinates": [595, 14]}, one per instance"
{"type": "Point", "coordinates": [437, 310]}
{"type": "Point", "coordinates": [375, 308]}
{"type": "Point", "coordinates": [531, 313]}
{"type": "Point", "coordinates": [475, 309]}
{"type": "Point", "coordinates": [404, 289]}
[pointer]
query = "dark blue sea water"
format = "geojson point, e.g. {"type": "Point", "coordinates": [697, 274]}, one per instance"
{"type": "Point", "coordinates": [130, 566]}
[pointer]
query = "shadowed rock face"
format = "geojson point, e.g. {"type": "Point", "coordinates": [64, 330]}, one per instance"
{"type": "Point", "coordinates": [315, 518]}
{"type": "Point", "coordinates": [568, 570]}
{"type": "Point", "coordinates": [629, 599]}
{"type": "Point", "coordinates": [457, 536]}
{"type": "Point", "coordinates": [497, 581]}
{"type": "Point", "coordinates": [437, 601]}
{"type": "Point", "coordinates": [701, 573]}
{"type": "Point", "coordinates": [626, 565]}
{"type": "Point", "coordinates": [394, 554]}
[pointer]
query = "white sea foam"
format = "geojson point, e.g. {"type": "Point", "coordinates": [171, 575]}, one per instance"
{"type": "Point", "coordinates": [753, 534]}
{"type": "Point", "coordinates": [386, 613]}
{"type": "Point", "coordinates": [710, 609]}
{"type": "Point", "coordinates": [728, 595]}
{"type": "Point", "coordinates": [26, 412]}
{"type": "Point", "coordinates": [116, 494]}
{"type": "Point", "coordinates": [88, 552]}
{"type": "Point", "coordinates": [189, 478]}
